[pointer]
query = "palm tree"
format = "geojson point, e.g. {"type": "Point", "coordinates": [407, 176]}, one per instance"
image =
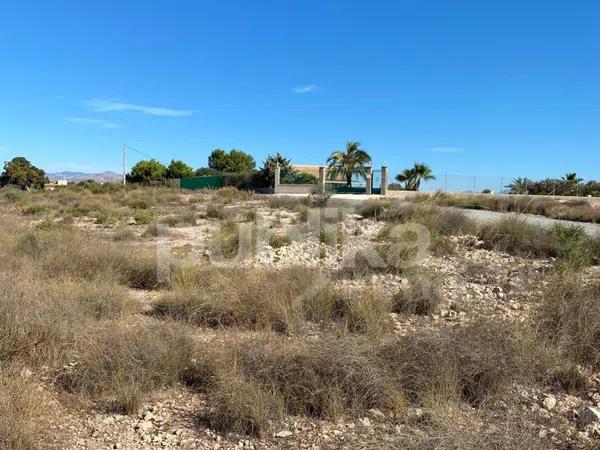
{"type": "Point", "coordinates": [571, 177]}
{"type": "Point", "coordinates": [519, 185]}
{"type": "Point", "coordinates": [408, 177]}
{"type": "Point", "coordinates": [422, 173]}
{"type": "Point", "coordinates": [353, 160]}
{"type": "Point", "coordinates": [412, 177]}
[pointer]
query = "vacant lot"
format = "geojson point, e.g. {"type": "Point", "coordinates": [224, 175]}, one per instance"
{"type": "Point", "coordinates": [148, 318]}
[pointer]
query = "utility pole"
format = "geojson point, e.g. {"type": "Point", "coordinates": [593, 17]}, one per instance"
{"type": "Point", "coordinates": [124, 164]}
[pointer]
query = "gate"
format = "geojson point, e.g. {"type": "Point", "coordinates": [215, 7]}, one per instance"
{"type": "Point", "coordinates": [376, 182]}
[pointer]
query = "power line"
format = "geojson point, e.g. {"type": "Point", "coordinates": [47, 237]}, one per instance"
{"type": "Point", "coordinates": [137, 151]}
{"type": "Point", "coordinates": [125, 147]}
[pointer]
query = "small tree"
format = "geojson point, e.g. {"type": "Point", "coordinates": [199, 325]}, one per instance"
{"type": "Point", "coordinates": [407, 179]}
{"type": "Point", "coordinates": [236, 161]}
{"type": "Point", "coordinates": [413, 177]}
{"type": "Point", "coordinates": [353, 160]}
{"type": "Point", "coordinates": [20, 172]}
{"type": "Point", "coordinates": [178, 169]}
{"type": "Point", "coordinates": [271, 162]}
{"type": "Point", "coordinates": [147, 170]}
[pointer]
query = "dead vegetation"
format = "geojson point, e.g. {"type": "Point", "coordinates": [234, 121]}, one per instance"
{"type": "Point", "coordinates": [261, 345]}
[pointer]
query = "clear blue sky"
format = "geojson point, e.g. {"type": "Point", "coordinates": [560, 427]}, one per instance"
{"type": "Point", "coordinates": [472, 87]}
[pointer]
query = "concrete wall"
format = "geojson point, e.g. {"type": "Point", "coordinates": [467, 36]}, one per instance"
{"type": "Point", "coordinates": [295, 188]}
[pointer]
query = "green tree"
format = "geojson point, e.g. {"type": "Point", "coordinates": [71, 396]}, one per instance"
{"type": "Point", "coordinates": [413, 177]}
{"type": "Point", "coordinates": [236, 161]}
{"type": "Point", "coordinates": [407, 178]}
{"type": "Point", "coordinates": [271, 162]}
{"type": "Point", "coordinates": [147, 170]}
{"type": "Point", "coordinates": [20, 172]}
{"type": "Point", "coordinates": [519, 185]}
{"type": "Point", "coordinates": [347, 163]}
{"type": "Point", "coordinates": [205, 171]}
{"type": "Point", "coordinates": [178, 169]}
{"type": "Point", "coordinates": [217, 160]}
{"type": "Point", "coordinates": [572, 178]}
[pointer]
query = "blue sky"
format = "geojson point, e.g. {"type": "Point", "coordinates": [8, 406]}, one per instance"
{"type": "Point", "coordinates": [502, 88]}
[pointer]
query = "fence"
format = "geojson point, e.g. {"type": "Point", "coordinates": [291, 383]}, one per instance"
{"type": "Point", "coordinates": [468, 183]}
{"type": "Point", "coordinates": [207, 182]}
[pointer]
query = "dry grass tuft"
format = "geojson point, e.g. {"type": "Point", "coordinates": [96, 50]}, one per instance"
{"type": "Point", "coordinates": [255, 299]}
{"type": "Point", "coordinates": [570, 317]}
{"type": "Point", "coordinates": [118, 363]}
{"type": "Point", "coordinates": [19, 411]}
{"type": "Point", "coordinates": [422, 296]}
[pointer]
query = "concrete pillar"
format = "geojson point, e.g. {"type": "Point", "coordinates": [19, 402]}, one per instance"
{"type": "Point", "coordinates": [384, 180]}
{"type": "Point", "coordinates": [322, 179]}
{"type": "Point", "coordinates": [277, 178]}
{"type": "Point", "coordinates": [368, 179]}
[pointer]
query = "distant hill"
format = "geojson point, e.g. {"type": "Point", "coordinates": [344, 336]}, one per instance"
{"type": "Point", "coordinates": [104, 177]}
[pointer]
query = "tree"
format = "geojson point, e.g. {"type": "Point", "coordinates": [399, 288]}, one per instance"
{"type": "Point", "coordinates": [413, 177]}
{"type": "Point", "coordinates": [205, 172]}
{"type": "Point", "coordinates": [271, 162]}
{"type": "Point", "coordinates": [407, 176]}
{"type": "Point", "coordinates": [519, 185]}
{"type": "Point", "coordinates": [147, 170]}
{"type": "Point", "coordinates": [20, 172]}
{"type": "Point", "coordinates": [353, 160]}
{"type": "Point", "coordinates": [218, 160]}
{"type": "Point", "coordinates": [422, 173]}
{"type": "Point", "coordinates": [178, 169]}
{"type": "Point", "coordinates": [571, 177]}
{"type": "Point", "coordinates": [236, 161]}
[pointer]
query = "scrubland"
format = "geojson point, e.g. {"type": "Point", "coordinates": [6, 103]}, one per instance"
{"type": "Point", "coordinates": [317, 326]}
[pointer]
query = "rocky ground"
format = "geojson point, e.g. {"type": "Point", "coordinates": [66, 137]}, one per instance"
{"type": "Point", "coordinates": [475, 282]}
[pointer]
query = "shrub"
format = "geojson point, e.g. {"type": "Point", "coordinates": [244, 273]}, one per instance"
{"type": "Point", "coordinates": [230, 194]}
{"type": "Point", "coordinates": [331, 236]}
{"type": "Point", "coordinates": [471, 363]}
{"type": "Point", "coordinates": [570, 317]}
{"type": "Point", "coordinates": [422, 296]}
{"type": "Point", "coordinates": [573, 249]}
{"type": "Point", "coordinates": [515, 235]}
{"type": "Point", "coordinates": [144, 217]}
{"type": "Point", "coordinates": [117, 364]}
{"type": "Point", "coordinates": [218, 212]}
{"type": "Point", "coordinates": [373, 208]}
{"type": "Point", "coordinates": [356, 311]}
{"type": "Point", "coordinates": [19, 411]}
{"type": "Point", "coordinates": [246, 298]}
{"type": "Point", "coordinates": [279, 240]}
{"type": "Point", "coordinates": [244, 407]}
{"type": "Point", "coordinates": [35, 210]}
{"type": "Point", "coordinates": [123, 234]}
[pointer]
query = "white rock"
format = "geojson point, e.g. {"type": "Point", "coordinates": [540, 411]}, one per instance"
{"type": "Point", "coordinates": [284, 434]}
{"type": "Point", "coordinates": [365, 421]}
{"type": "Point", "coordinates": [549, 402]}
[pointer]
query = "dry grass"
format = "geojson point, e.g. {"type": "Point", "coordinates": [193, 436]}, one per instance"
{"type": "Point", "coordinates": [253, 299]}
{"type": "Point", "coordinates": [422, 296]}
{"type": "Point", "coordinates": [553, 207]}
{"type": "Point", "coordinates": [256, 380]}
{"type": "Point", "coordinates": [229, 194]}
{"type": "Point", "coordinates": [19, 411]}
{"type": "Point", "coordinates": [570, 317]}
{"type": "Point", "coordinates": [279, 240]}
{"type": "Point", "coordinates": [118, 363]}
{"type": "Point", "coordinates": [570, 245]}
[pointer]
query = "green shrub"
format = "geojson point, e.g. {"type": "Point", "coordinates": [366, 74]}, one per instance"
{"type": "Point", "coordinates": [144, 217]}
{"type": "Point", "coordinates": [35, 210]}
{"type": "Point", "coordinates": [279, 240]}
